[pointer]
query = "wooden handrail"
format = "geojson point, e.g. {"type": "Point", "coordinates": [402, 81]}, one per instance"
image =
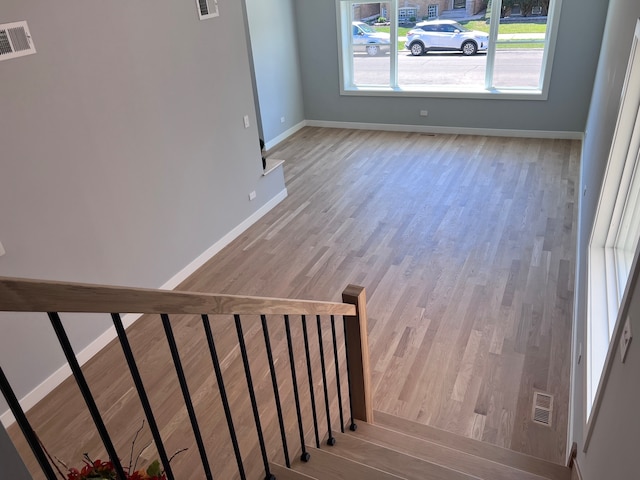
{"type": "Point", "coordinates": [24, 295]}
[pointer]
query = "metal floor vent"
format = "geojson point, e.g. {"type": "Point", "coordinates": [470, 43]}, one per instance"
{"type": "Point", "coordinates": [542, 411]}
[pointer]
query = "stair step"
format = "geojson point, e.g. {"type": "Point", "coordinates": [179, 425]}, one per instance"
{"type": "Point", "coordinates": [441, 455]}
{"type": "Point", "coordinates": [510, 458]}
{"type": "Point", "coordinates": [283, 473]}
{"type": "Point", "coordinates": [328, 466]}
{"type": "Point", "coordinates": [407, 466]}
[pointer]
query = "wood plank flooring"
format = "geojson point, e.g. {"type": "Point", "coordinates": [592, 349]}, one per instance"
{"type": "Point", "coordinates": [466, 247]}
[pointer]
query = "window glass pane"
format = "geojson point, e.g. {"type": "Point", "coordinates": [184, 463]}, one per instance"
{"type": "Point", "coordinates": [443, 53]}
{"type": "Point", "coordinates": [521, 42]}
{"type": "Point", "coordinates": [370, 45]}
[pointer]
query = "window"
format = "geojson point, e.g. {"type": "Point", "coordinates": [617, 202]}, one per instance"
{"type": "Point", "coordinates": [616, 229]}
{"type": "Point", "coordinates": [471, 57]}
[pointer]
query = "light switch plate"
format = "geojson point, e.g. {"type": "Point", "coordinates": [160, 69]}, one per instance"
{"type": "Point", "coordinates": [2, 252]}
{"type": "Point", "coordinates": [625, 340]}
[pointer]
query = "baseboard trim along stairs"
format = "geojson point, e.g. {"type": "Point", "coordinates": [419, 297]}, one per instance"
{"type": "Point", "coordinates": [396, 448]}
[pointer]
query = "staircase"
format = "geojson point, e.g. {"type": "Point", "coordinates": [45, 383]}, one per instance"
{"type": "Point", "coordinates": [395, 448]}
{"type": "Point", "coordinates": [382, 447]}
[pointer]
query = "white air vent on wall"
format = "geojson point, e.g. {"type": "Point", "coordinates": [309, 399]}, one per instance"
{"type": "Point", "coordinates": [15, 40]}
{"type": "Point", "coordinates": [207, 8]}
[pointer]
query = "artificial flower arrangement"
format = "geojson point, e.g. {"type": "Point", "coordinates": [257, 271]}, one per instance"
{"type": "Point", "coordinates": [100, 470]}
{"type": "Point", "coordinates": [97, 469]}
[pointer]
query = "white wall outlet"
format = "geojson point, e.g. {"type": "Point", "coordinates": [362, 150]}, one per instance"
{"type": "Point", "coordinates": [2, 252]}
{"type": "Point", "coordinates": [252, 195]}
{"type": "Point", "coordinates": [625, 340]}
{"type": "Point", "coordinates": [424, 113]}
{"type": "Point", "coordinates": [281, 119]}
{"type": "Point", "coordinates": [246, 121]}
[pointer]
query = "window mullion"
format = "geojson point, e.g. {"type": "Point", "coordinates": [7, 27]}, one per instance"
{"type": "Point", "coordinates": [393, 29]}
{"type": "Point", "coordinates": [494, 26]}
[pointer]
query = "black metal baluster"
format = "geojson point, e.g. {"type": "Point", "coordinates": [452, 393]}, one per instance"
{"type": "Point", "coordinates": [252, 396]}
{"type": "Point", "coordinates": [335, 359]}
{"type": "Point", "coordinates": [86, 393]}
{"type": "Point", "coordinates": [310, 375]}
{"type": "Point", "coordinates": [142, 394]}
{"type": "Point", "coordinates": [185, 393]}
{"type": "Point", "coordinates": [276, 393]}
{"type": "Point", "coordinates": [331, 441]}
{"type": "Point", "coordinates": [25, 426]}
{"type": "Point", "coordinates": [294, 380]}
{"type": "Point", "coordinates": [353, 427]}
{"type": "Point", "coordinates": [223, 394]}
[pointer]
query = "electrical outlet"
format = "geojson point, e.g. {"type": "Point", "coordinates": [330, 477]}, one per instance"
{"type": "Point", "coordinates": [252, 195]}
{"type": "Point", "coordinates": [424, 113]}
{"type": "Point", "coordinates": [2, 252]}
{"type": "Point", "coordinates": [246, 121]}
{"type": "Point", "coordinates": [625, 340]}
{"type": "Point", "coordinates": [281, 119]}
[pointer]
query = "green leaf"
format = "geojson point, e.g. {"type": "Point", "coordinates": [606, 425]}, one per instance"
{"type": "Point", "coordinates": [154, 469]}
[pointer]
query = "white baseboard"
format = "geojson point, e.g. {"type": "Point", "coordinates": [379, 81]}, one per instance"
{"type": "Point", "coordinates": [38, 393]}
{"type": "Point", "coordinates": [284, 135]}
{"type": "Point", "coordinates": [491, 132]}
{"type": "Point", "coordinates": [183, 274]}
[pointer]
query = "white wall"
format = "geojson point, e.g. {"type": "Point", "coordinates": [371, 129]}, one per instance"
{"type": "Point", "coordinates": [613, 447]}
{"type": "Point", "coordinates": [274, 47]}
{"type": "Point", "coordinates": [123, 153]}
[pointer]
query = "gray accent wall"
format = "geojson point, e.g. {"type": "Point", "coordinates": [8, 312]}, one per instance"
{"type": "Point", "coordinates": [274, 47]}
{"type": "Point", "coordinates": [574, 66]}
{"type": "Point", "coordinates": [613, 450]}
{"type": "Point", "coordinates": [123, 153]}
{"type": "Point", "coordinates": [11, 464]}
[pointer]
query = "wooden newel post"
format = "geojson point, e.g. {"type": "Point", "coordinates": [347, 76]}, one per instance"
{"type": "Point", "coordinates": [358, 354]}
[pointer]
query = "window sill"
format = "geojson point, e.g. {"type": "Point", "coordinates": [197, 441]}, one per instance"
{"type": "Point", "coordinates": [448, 92]}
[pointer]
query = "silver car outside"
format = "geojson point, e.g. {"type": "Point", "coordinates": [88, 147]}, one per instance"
{"type": "Point", "coordinates": [367, 39]}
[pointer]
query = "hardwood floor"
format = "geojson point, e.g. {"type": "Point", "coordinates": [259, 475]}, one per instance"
{"type": "Point", "coordinates": [466, 247]}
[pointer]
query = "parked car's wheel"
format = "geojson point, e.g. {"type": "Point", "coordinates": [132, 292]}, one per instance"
{"type": "Point", "coordinates": [469, 48]}
{"type": "Point", "coordinates": [417, 49]}
{"type": "Point", "coordinates": [373, 50]}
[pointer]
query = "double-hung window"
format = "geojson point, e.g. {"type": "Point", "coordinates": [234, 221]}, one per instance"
{"type": "Point", "coordinates": [484, 51]}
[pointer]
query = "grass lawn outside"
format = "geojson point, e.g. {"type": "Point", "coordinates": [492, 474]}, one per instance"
{"type": "Point", "coordinates": [483, 26]}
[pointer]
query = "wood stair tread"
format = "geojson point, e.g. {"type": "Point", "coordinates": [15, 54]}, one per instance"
{"type": "Point", "coordinates": [441, 455]}
{"type": "Point", "coordinates": [469, 446]}
{"type": "Point", "coordinates": [329, 466]}
{"type": "Point", "coordinates": [283, 473]}
{"type": "Point", "coordinates": [403, 465]}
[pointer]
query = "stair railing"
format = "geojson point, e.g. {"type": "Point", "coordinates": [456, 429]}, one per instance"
{"type": "Point", "coordinates": [53, 298]}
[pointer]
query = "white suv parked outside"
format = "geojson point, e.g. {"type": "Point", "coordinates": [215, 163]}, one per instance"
{"type": "Point", "coordinates": [445, 35]}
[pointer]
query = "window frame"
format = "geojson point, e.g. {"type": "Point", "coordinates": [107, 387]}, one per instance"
{"type": "Point", "coordinates": [345, 67]}
{"type": "Point", "coordinates": [607, 285]}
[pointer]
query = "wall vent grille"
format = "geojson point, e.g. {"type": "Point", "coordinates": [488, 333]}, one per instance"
{"type": "Point", "coordinates": [207, 9]}
{"type": "Point", "coordinates": [15, 40]}
{"type": "Point", "coordinates": [542, 411]}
